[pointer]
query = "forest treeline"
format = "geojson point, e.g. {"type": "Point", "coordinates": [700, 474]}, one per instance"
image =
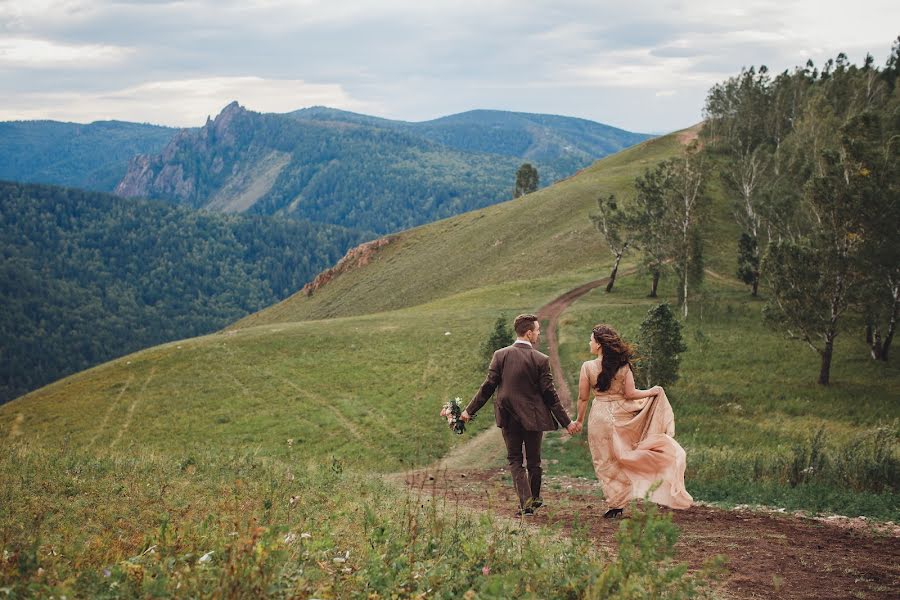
{"type": "Point", "coordinates": [93, 156]}
{"type": "Point", "coordinates": [88, 276]}
{"type": "Point", "coordinates": [808, 160]}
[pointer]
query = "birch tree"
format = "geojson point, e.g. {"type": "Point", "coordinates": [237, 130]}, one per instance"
{"type": "Point", "coordinates": [687, 209]}
{"type": "Point", "coordinates": [611, 223]}
{"type": "Point", "coordinates": [648, 220]}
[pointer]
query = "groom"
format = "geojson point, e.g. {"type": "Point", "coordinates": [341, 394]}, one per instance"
{"type": "Point", "coordinates": [526, 406]}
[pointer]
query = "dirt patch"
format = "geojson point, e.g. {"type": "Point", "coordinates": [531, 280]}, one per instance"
{"type": "Point", "coordinates": [769, 555]}
{"type": "Point", "coordinates": [690, 134]}
{"type": "Point", "coordinates": [356, 257]}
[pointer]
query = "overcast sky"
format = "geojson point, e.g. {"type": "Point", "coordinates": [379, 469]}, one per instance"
{"type": "Point", "coordinates": [640, 65]}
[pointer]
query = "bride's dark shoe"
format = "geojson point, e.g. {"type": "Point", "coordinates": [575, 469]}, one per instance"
{"type": "Point", "coordinates": [613, 513]}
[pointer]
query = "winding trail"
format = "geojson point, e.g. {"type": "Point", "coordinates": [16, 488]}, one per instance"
{"type": "Point", "coordinates": [551, 312]}
{"type": "Point", "coordinates": [769, 553]}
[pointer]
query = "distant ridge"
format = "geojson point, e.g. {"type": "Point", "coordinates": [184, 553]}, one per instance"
{"type": "Point", "coordinates": [93, 156]}
{"type": "Point", "coordinates": [364, 172]}
{"type": "Point", "coordinates": [540, 137]}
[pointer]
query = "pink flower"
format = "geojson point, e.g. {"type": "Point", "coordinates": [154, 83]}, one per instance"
{"type": "Point", "coordinates": [485, 570]}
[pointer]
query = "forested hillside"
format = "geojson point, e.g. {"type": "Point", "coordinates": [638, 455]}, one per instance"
{"type": "Point", "coordinates": [559, 145]}
{"type": "Point", "coordinates": [93, 156]}
{"type": "Point", "coordinates": [360, 171]}
{"type": "Point", "coordinates": [89, 276]}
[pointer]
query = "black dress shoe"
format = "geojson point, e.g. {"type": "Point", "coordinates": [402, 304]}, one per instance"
{"type": "Point", "coordinates": [537, 502]}
{"type": "Point", "coordinates": [613, 513]}
{"type": "Point", "coordinates": [525, 512]}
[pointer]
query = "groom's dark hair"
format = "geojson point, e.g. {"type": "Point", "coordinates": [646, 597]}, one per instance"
{"type": "Point", "coordinates": [524, 324]}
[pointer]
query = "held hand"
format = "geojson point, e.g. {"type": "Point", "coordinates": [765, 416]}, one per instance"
{"type": "Point", "coordinates": [465, 416]}
{"type": "Point", "coordinates": [572, 428]}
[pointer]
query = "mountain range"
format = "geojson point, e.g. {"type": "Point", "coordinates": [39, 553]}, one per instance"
{"type": "Point", "coordinates": [359, 171]}
{"type": "Point", "coordinates": [317, 163]}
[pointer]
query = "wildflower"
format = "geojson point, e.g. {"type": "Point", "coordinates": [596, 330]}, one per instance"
{"type": "Point", "coordinates": [107, 572]}
{"type": "Point", "coordinates": [290, 538]}
{"type": "Point", "coordinates": [485, 570]}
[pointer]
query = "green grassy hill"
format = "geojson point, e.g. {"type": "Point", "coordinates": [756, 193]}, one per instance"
{"type": "Point", "coordinates": [544, 234]}
{"type": "Point", "coordinates": [334, 386]}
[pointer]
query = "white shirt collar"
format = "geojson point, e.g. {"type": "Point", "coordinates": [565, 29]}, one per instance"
{"type": "Point", "coordinates": [523, 341]}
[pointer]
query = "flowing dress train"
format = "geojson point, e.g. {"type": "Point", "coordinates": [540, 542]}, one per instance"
{"type": "Point", "coordinates": [632, 445]}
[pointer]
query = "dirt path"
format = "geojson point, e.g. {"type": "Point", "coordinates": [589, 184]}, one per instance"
{"type": "Point", "coordinates": [769, 554]}
{"type": "Point", "coordinates": [549, 315]}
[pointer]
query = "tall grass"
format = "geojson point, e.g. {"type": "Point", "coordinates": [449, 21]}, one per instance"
{"type": "Point", "coordinates": [239, 526]}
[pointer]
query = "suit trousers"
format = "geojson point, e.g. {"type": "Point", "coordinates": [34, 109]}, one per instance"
{"type": "Point", "coordinates": [528, 485]}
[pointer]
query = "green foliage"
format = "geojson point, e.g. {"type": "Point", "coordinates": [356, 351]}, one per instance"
{"type": "Point", "coordinates": [803, 298]}
{"type": "Point", "coordinates": [537, 236]}
{"type": "Point", "coordinates": [527, 180]}
{"type": "Point", "coordinates": [501, 337]}
{"type": "Point", "coordinates": [748, 260]}
{"type": "Point", "coordinates": [91, 156]}
{"type": "Point", "coordinates": [810, 157]}
{"type": "Point", "coordinates": [559, 145]}
{"type": "Point", "coordinates": [238, 526]}
{"type": "Point", "coordinates": [669, 216]}
{"type": "Point", "coordinates": [660, 345]}
{"type": "Point", "coordinates": [645, 567]}
{"type": "Point", "coordinates": [611, 222]}
{"type": "Point", "coordinates": [648, 220]}
{"type": "Point", "coordinates": [88, 277]}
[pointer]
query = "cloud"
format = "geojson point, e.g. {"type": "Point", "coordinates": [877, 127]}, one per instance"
{"type": "Point", "coordinates": [36, 53]}
{"type": "Point", "coordinates": [180, 103]}
{"type": "Point", "coordinates": [639, 65]}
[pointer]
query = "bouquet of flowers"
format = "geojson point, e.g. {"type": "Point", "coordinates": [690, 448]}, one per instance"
{"type": "Point", "coordinates": [453, 410]}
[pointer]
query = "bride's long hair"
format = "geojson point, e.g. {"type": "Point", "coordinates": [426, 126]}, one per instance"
{"type": "Point", "coordinates": [616, 354]}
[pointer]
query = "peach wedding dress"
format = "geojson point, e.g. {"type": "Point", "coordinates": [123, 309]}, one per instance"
{"type": "Point", "coordinates": [632, 445]}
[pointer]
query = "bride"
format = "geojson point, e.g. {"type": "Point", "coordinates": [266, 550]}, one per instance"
{"type": "Point", "coordinates": [630, 431]}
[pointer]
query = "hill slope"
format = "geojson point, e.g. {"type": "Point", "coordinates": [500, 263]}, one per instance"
{"type": "Point", "coordinates": [89, 276]}
{"type": "Point", "coordinates": [543, 234]}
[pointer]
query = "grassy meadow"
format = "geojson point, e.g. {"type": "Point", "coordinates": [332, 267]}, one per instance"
{"type": "Point", "coordinates": [748, 410]}
{"type": "Point", "coordinates": [249, 463]}
{"type": "Point", "coordinates": [266, 444]}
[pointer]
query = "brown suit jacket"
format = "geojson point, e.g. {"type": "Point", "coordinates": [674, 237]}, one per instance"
{"type": "Point", "coordinates": [526, 393]}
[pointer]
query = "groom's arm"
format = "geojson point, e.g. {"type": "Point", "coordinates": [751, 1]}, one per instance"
{"type": "Point", "coordinates": [487, 388]}
{"type": "Point", "coordinates": [551, 397]}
